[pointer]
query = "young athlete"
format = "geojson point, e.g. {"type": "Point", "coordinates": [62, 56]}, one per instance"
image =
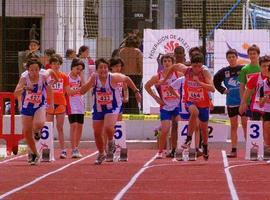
{"type": "Point", "coordinates": [60, 87]}
{"type": "Point", "coordinates": [116, 65]}
{"type": "Point", "coordinates": [169, 103]}
{"type": "Point", "coordinates": [198, 84]}
{"type": "Point", "coordinates": [107, 104]}
{"type": "Point", "coordinates": [32, 87]}
{"type": "Point", "coordinates": [255, 84]}
{"type": "Point", "coordinates": [265, 103]}
{"type": "Point", "coordinates": [75, 106]}
{"type": "Point", "coordinates": [248, 71]}
{"type": "Point", "coordinates": [229, 76]}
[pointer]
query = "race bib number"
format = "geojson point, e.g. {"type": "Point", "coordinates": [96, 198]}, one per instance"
{"type": "Point", "coordinates": [104, 98]}
{"type": "Point", "coordinates": [58, 86]}
{"type": "Point", "coordinates": [75, 86]}
{"type": "Point", "coordinates": [33, 97]}
{"type": "Point", "coordinates": [195, 94]}
{"type": "Point", "coordinates": [166, 94]}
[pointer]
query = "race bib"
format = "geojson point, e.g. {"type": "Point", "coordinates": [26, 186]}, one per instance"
{"type": "Point", "coordinates": [58, 86]}
{"type": "Point", "coordinates": [75, 86]}
{"type": "Point", "coordinates": [33, 97]}
{"type": "Point", "coordinates": [166, 94]}
{"type": "Point", "coordinates": [104, 98]}
{"type": "Point", "coordinates": [195, 94]}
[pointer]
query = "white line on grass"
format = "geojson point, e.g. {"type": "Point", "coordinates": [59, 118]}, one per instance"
{"type": "Point", "coordinates": [229, 176]}
{"type": "Point", "coordinates": [14, 158]}
{"type": "Point", "coordinates": [133, 179]}
{"type": "Point", "coordinates": [44, 176]}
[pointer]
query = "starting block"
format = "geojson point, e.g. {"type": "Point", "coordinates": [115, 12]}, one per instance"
{"type": "Point", "coordinates": [182, 134]}
{"type": "Point", "coordinates": [254, 143]}
{"type": "Point", "coordinates": [45, 145]}
{"type": "Point", "coordinates": [120, 142]}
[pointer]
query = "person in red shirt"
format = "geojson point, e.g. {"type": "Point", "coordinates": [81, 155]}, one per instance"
{"type": "Point", "coordinates": [256, 83]}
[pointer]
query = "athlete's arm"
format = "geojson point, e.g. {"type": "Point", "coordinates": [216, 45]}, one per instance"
{"type": "Point", "coordinates": [21, 86]}
{"type": "Point", "coordinates": [175, 68]}
{"type": "Point", "coordinates": [125, 93]}
{"type": "Point", "coordinates": [208, 85]}
{"type": "Point", "coordinates": [218, 79]}
{"type": "Point", "coordinates": [243, 106]}
{"type": "Point", "coordinates": [49, 91]}
{"type": "Point", "coordinates": [89, 84]}
{"type": "Point", "coordinates": [147, 87]}
{"type": "Point", "coordinates": [242, 90]}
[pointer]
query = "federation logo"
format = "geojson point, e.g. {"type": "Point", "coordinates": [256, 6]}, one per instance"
{"type": "Point", "coordinates": [170, 46]}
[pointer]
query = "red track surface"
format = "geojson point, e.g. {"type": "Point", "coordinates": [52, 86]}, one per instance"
{"type": "Point", "coordinates": [163, 179]}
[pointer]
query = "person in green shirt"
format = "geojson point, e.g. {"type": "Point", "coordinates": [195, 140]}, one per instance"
{"type": "Point", "coordinates": [249, 70]}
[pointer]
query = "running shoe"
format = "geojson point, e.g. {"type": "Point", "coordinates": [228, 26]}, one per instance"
{"type": "Point", "coordinates": [159, 155]}
{"type": "Point", "coordinates": [76, 154]}
{"type": "Point", "coordinates": [187, 143]}
{"type": "Point", "coordinates": [205, 152]}
{"type": "Point", "coordinates": [63, 154]}
{"type": "Point", "coordinates": [35, 159]}
{"type": "Point", "coordinates": [232, 154]}
{"type": "Point", "coordinates": [100, 158]}
{"type": "Point", "coordinates": [111, 149]}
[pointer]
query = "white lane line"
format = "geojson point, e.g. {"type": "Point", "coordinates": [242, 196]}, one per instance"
{"type": "Point", "coordinates": [134, 179]}
{"type": "Point", "coordinates": [14, 158]}
{"type": "Point", "coordinates": [44, 176]}
{"type": "Point", "coordinates": [229, 176]}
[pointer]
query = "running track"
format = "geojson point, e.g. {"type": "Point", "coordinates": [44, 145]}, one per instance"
{"type": "Point", "coordinates": [142, 177]}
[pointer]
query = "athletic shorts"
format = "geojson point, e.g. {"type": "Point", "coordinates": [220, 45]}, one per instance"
{"type": "Point", "coordinates": [266, 117]}
{"type": "Point", "coordinates": [101, 115]}
{"type": "Point", "coordinates": [256, 115]}
{"type": "Point", "coordinates": [167, 115]}
{"type": "Point", "coordinates": [58, 109]}
{"type": "Point", "coordinates": [184, 116]}
{"type": "Point", "coordinates": [234, 111]}
{"type": "Point", "coordinates": [203, 112]}
{"type": "Point", "coordinates": [76, 118]}
{"type": "Point", "coordinates": [30, 111]}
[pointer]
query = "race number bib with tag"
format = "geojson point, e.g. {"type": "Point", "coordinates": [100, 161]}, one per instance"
{"type": "Point", "coordinates": [166, 94]}
{"type": "Point", "coordinates": [32, 97]}
{"type": "Point", "coordinates": [195, 94]}
{"type": "Point", "coordinates": [58, 86]}
{"type": "Point", "coordinates": [104, 98]}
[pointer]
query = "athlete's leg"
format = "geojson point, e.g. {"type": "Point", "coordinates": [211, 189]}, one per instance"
{"type": "Point", "coordinates": [27, 127]}
{"type": "Point", "coordinates": [98, 132]}
{"type": "Point", "coordinates": [244, 125]}
{"type": "Point", "coordinates": [60, 118]}
{"type": "Point", "coordinates": [39, 119]}
{"type": "Point", "coordinates": [165, 127]}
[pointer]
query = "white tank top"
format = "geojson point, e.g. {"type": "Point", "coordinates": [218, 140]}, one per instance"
{"type": "Point", "coordinates": [75, 103]}
{"type": "Point", "coordinates": [171, 101]}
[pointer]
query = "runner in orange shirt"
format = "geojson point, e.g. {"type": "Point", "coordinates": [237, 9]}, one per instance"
{"type": "Point", "coordinates": [60, 87]}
